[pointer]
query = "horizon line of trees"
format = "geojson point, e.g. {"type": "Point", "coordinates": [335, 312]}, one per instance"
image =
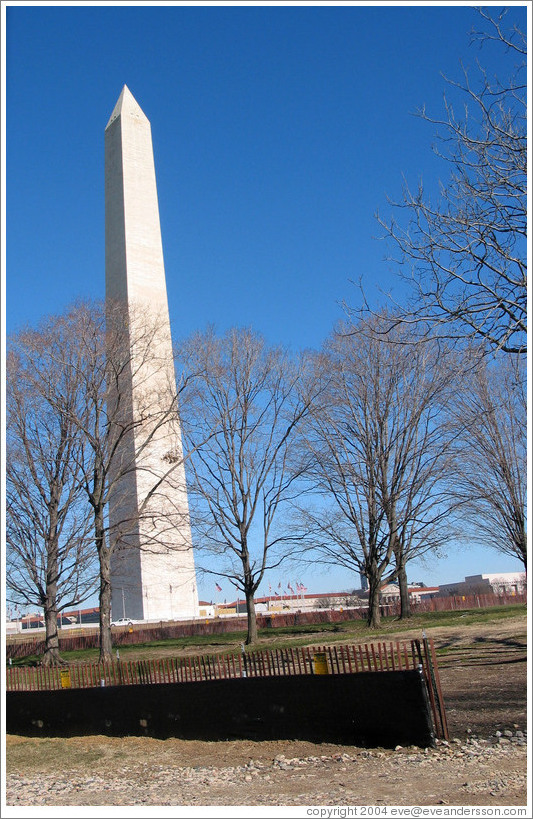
{"type": "Point", "coordinates": [366, 454]}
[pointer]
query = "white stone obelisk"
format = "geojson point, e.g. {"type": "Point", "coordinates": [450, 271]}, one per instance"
{"type": "Point", "coordinates": [152, 568]}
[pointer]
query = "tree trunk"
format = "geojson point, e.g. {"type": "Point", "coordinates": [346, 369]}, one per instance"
{"type": "Point", "coordinates": [521, 550]}
{"type": "Point", "coordinates": [106, 642]}
{"type": "Point", "coordinates": [374, 614]}
{"type": "Point", "coordinates": [51, 655]}
{"type": "Point", "coordinates": [251, 637]}
{"type": "Point", "coordinates": [405, 605]}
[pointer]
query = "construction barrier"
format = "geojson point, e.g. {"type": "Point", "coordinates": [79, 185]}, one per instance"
{"type": "Point", "coordinates": [337, 660]}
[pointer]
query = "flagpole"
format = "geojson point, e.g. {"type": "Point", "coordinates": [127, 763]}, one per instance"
{"type": "Point", "coordinates": [217, 590]}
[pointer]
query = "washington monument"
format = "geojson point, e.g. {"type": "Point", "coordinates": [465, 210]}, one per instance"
{"type": "Point", "coordinates": [152, 568]}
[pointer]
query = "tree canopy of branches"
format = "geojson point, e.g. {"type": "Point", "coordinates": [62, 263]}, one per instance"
{"type": "Point", "coordinates": [464, 255]}
{"type": "Point", "coordinates": [118, 431]}
{"type": "Point", "coordinates": [491, 481]}
{"type": "Point", "coordinates": [238, 422]}
{"type": "Point", "coordinates": [379, 455]}
{"type": "Point", "coordinates": [50, 561]}
{"type": "Point", "coordinates": [74, 435]}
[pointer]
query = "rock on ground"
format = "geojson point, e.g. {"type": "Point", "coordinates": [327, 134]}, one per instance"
{"type": "Point", "coordinates": [476, 771]}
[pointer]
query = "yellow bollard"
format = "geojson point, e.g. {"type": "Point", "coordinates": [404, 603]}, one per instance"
{"type": "Point", "coordinates": [320, 662]}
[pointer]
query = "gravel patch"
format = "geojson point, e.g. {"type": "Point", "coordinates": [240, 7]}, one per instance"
{"type": "Point", "coordinates": [473, 771]}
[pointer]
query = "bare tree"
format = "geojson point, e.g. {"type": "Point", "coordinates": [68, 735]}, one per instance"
{"type": "Point", "coordinates": [113, 354]}
{"type": "Point", "coordinates": [93, 362]}
{"type": "Point", "coordinates": [379, 451]}
{"type": "Point", "coordinates": [239, 424]}
{"type": "Point", "coordinates": [50, 561]}
{"type": "Point", "coordinates": [91, 436]}
{"type": "Point", "coordinates": [491, 482]}
{"type": "Point", "coordinates": [417, 457]}
{"type": "Point", "coordinates": [464, 256]}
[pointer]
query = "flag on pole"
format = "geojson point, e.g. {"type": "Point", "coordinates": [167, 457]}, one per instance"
{"type": "Point", "coordinates": [279, 585]}
{"type": "Point", "coordinates": [290, 588]}
{"type": "Point", "coordinates": [218, 588]}
{"type": "Point", "coordinates": [276, 592]}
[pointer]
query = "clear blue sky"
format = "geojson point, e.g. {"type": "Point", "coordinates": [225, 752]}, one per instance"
{"type": "Point", "coordinates": [278, 132]}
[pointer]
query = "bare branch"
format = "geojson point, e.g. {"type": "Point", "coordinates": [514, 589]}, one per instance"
{"type": "Point", "coordinates": [239, 422]}
{"type": "Point", "coordinates": [464, 256]}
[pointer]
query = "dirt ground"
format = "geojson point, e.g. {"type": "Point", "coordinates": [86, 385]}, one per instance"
{"type": "Point", "coordinates": [483, 675]}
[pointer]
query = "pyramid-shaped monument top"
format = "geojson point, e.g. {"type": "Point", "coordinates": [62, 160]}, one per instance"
{"type": "Point", "coordinates": [126, 105]}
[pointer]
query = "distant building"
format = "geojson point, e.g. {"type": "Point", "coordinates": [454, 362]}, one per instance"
{"type": "Point", "coordinates": [65, 619]}
{"type": "Point", "coordinates": [13, 626]}
{"type": "Point", "coordinates": [510, 583]}
{"type": "Point", "coordinates": [294, 602]}
{"type": "Point", "coordinates": [390, 593]}
{"type": "Point", "coordinates": [206, 609]}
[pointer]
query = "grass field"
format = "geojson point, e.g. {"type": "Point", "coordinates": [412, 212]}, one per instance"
{"type": "Point", "coordinates": [351, 631]}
